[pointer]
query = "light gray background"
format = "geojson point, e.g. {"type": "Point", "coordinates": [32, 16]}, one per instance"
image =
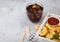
{"type": "Point", "coordinates": [13, 17]}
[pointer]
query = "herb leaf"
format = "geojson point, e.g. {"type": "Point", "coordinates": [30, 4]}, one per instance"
{"type": "Point", "coordinates": [56, 36]}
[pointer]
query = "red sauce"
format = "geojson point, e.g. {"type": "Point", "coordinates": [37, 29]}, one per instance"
{"type": "Point", "coordinates": [53, 21]}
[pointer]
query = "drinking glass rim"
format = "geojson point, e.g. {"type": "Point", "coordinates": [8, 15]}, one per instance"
{"type": "Point", "coordinates": [31, 3]}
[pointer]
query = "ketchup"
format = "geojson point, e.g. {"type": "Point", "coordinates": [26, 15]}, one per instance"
{"type": "Point", "coordinates": [53, 21]}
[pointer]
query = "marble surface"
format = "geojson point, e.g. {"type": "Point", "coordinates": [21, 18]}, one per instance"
{"type": "Point", "coordinates": [13, 17]}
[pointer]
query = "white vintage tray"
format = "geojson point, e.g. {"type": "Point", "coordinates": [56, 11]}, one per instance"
{"type": "Point", "coordinates": [42, 39]}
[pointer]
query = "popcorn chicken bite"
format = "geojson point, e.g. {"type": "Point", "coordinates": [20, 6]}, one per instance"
{"type": "Point", "coordinates": [37, 26]}
{"type": "Point", "coordinates": [43, 32]}
{"type": "Point", "coordinates": [49, 36]}
{"type": "Point", "coordinates": [58, 29]}
{"type": "Point", "coordinates": [49, 27]}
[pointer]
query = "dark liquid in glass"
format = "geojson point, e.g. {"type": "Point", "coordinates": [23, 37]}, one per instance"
{"type": "Point", "coordinates": [34, 12]}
